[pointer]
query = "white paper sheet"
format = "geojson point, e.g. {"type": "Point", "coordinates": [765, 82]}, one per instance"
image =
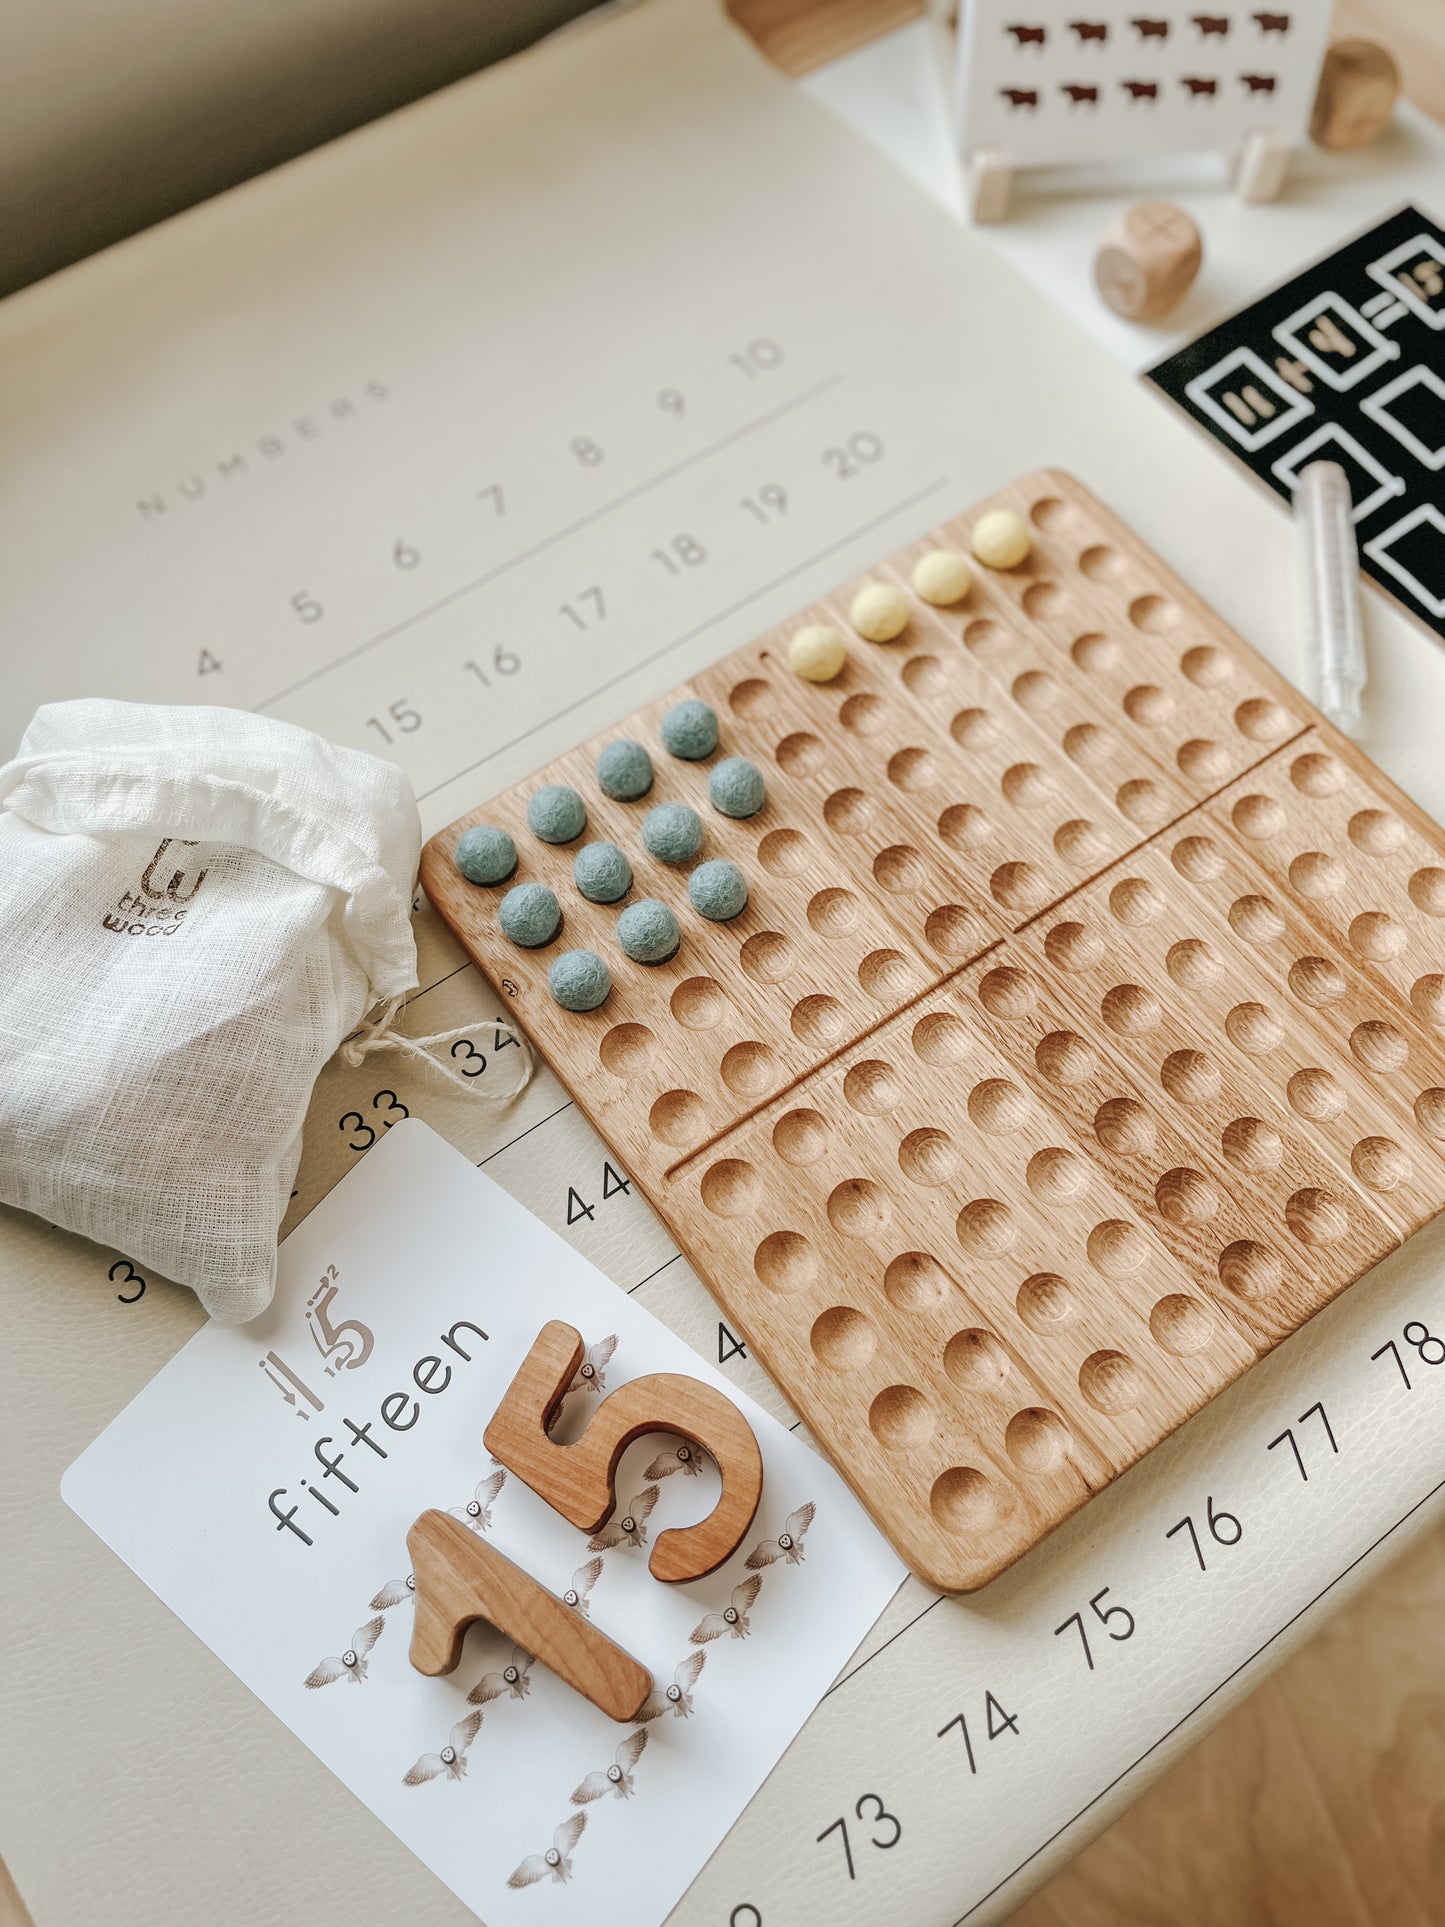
{"type": "Point", "coordinates": [213, 1486]}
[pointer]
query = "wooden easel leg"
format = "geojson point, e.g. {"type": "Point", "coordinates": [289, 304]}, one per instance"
{"type": "Point", "coordinates": [990, 181]}
{"type": "Point", "coordinates": [1260, 171]}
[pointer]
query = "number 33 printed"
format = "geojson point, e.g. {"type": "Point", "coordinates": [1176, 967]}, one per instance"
{"type": "Point", "coordinates": [389, 1108]}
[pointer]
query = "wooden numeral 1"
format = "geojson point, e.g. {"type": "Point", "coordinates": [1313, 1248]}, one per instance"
{"type": "Point", "coordinates": [578, 1480]}
{"type": "Point", "coordinates": [461, 1578]}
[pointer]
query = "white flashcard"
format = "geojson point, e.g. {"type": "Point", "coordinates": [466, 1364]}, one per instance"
{"type": "Point", "coordinates": [1051, 83]}
{"type": "Point", "coordinates": [264, 1481]}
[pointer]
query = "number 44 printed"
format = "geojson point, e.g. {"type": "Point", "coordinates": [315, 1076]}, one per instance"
{"type": "Point", "coordinates": [614, 1185]}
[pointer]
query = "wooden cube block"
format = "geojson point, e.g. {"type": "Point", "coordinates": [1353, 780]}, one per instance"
{"type": "Point", "coordinates": [1147, 260]}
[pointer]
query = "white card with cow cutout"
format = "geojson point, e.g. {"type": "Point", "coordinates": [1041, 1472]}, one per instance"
{"type": "Point", "coordinates": [1051, 82]}
{"type": "Point", "coordinates": [533, 1806]}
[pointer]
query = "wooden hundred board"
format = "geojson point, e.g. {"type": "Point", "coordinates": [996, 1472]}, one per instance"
{"type": "Point", "coordinates": [1083, 1035]}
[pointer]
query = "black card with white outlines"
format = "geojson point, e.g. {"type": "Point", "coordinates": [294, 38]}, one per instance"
{"type": "Point", "coordinates": [1344, 363]}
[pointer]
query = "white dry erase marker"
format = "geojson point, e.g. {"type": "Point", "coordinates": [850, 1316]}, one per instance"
{"type": "Point", "coordinates": [1329, 583]}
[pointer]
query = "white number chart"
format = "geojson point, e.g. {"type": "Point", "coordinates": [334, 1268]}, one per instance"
{"type": "Point", "coordinates": [457, 441]}
{"type": "Point", "coordinates": [387, 537]}
{"type": "Point", "coordinates": [306, 1592]}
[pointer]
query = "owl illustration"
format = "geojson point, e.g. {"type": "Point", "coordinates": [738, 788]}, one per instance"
{"type": "Point", "coordinates": [733, 1618]}
{"type": "Point", "coordinates": [477, 1512]}
{"type": "Point", "coordinates": [676, 1698]}
{"type": "Point", "coordinates": [583, 1580]}
{"type": "Point", "coordinates": [789, 1542]}
{"type": "Point", "coordinates": [631, 1528]}
{"type": "Point", "coordinates": [685, 1458]}
{"type": "Point", "coordinates": [588, 1376]}
{"type": "Point", "coordinates": [514, 1678]}
{"type": "Point", "coordinates": [352, 1663]}
{"type": "Point", "coordinates": [452, 1760]}
{"type": "Point", "coordinates": [617, 1778]}
{"type": "Point", "coordinates": [557, 1860]}
{"type": "Point", "coordinates": [394, 1593]}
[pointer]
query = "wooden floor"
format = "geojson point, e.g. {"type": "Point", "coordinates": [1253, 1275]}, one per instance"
{"type": "Point", "coordinates": [1320, 1802]}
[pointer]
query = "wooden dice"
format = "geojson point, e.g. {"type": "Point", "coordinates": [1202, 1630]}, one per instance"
{"type": "Point", "coordinates": [1147, 260]}
{"type": "Point", "coordinates": [1359, 85]}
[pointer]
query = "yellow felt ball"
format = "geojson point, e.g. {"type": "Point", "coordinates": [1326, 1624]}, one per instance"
{"type": "Point", "coordinates": [1000, 539]}
{"type": "Point", "coordinates": [817, 653]}
{"type": "Point", "coordinates": [942, 577]}
{"type": "Point", "coordinates": [879, 612]}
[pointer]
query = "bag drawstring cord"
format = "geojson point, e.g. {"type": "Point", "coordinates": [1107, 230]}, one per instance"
{"type": "Point", "coordinates": [380, 1034]}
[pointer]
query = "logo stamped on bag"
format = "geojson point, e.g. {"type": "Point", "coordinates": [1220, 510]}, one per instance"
{"type": "Point", "coordinates": [158, 905]}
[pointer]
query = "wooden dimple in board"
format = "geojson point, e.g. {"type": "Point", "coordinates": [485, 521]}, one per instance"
{"type": "Point", "coordinates": [1083, 1035]}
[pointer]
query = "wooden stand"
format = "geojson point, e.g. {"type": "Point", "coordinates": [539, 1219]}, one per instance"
{"type": "Point", "coordinates": [990, 183]}
{"type": "Point", "coordinates": [1263, 162]}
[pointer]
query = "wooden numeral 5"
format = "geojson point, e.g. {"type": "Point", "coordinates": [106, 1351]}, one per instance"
{"type": "Point", "coordinates": [578, 1480]}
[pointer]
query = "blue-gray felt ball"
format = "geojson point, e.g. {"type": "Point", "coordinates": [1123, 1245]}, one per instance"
{"type": "Point", "coordinates": [689, 730]}
{"type": "Point", "coordinates": [672, 832]}
{"type": "Point", "coordinates": [735, 787]}
{"type": "Point", "coordinates": [579, 980]}
{"type": "Point", "coordinates": [624, 771]}
{"type": "Point", "coordinates": [648, 931]}
{"type": "Point", "coordinates": [486, 854]}
{"type": "Point", "coordinates": [556, 814]}
{"type": "Point", "coordinates": [718, 889]}
{"type": "Point", "coordinates": [601, 872]}
{"type": "Point", "coordinates": [530, 915]}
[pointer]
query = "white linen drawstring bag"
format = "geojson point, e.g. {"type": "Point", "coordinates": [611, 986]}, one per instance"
{"type": "Point", "coordinates": [200, 904]}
